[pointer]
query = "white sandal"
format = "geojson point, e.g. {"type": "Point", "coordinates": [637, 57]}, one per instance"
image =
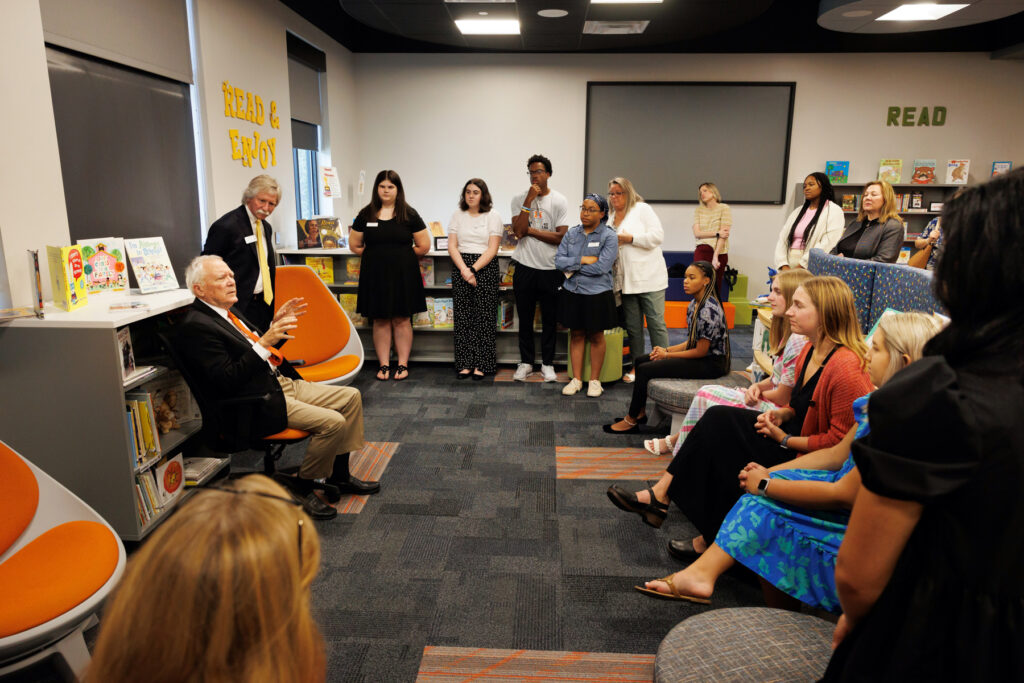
{"type": "Point", "coordinates": [652, 446]}
{"type": "Point", "coordinates": [628, 378]}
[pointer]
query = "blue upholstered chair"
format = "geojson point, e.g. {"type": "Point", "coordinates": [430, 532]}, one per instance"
{"type": "Point", "coordinates": [859, 275]}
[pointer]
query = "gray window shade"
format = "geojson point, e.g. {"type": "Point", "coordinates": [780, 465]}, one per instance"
{"type": "Point", "coordinates": [127, 154]}
{"type": "Point", "coordinates": [151, 35]}
{"type": "Point", "coordinates": [305, 136]}
{"type": "Point", "coordinates": [304, 92]}
{"type": "Point", "coordinates": [668, 138]}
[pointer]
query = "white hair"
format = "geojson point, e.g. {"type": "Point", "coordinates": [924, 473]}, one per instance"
{"type": "Point", "coordinates": [261, 183]}
{"type": "Point", "coordinates": [195, 273]}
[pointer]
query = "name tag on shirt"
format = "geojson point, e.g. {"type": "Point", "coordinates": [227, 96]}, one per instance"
{"type": "Point", "coordinates": [249, 239]}
{"type": "Point", "coordinates": [593, 244]}
{"type": "Point", "coordinates": [371, 225]}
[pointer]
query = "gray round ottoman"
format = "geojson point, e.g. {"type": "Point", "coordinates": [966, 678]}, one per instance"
{"type": "Point", "coordinates": [745, 644]}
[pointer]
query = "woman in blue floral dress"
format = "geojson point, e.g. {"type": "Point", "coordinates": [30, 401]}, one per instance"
{"type": "Point", "coordinates": [789, 528]}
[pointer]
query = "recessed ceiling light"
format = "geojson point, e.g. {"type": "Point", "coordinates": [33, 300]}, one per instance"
{"type": "Point", "coordinates": [481, 2]}
{"type": "Point", "coordinates": [488, 27]}
{"type": "Point", "coordinates": [928, 11]}
{"type": "Point", "coordinates": [482, 14]}
{"type": "Point", "coordinates": [855, 13]}
{"type": "Point", "coordinates": [552, 13]}
{"type": "Point", "coordinates": [614, 28]}
{"type": "Point", "coordinates": [624, 2]}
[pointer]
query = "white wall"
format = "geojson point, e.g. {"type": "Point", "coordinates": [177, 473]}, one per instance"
{"type": "Point", "coordinates": [32, 210]}
{"type": "Point", "coordinates": [440, 119]}
{"type": "Point", "coordinates": [244, 42]}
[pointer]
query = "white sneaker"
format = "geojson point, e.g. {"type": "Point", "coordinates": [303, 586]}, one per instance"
{"type": "Point", "coordinates": [572, 387]}
{"type": "Point", "coordinates": [523, 371]}
{"type": "Point", "coordinates": [594, 388]}
{"type": "Point", "coordinates": [548, 373]}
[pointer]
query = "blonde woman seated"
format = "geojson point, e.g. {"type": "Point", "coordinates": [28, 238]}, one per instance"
{"type": "Point", "coordinates": [789, 526]}
{"type": "Point", "coordinates": [768, 394]}
{"type": "Point", "coordinates": [234, 567]}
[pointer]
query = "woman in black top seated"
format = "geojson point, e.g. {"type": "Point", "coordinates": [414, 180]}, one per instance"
{"type": "Point", "coordinates": [877, 233]}
{"type": "Point", "coordinates": [929, 574]}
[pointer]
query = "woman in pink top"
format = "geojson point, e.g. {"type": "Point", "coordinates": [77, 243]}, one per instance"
{"type": "Point", "coordinates": [817, 224]}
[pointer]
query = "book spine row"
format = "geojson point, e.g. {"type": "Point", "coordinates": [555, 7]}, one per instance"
{"type": "Point", "coordinates": [147, 497]}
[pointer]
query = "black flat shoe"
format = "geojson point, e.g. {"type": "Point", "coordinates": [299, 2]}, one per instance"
{"type": "Point", "coordinates": [355, 486]}
{"type": "Point", "coordinates": [683, 550]}
{"type": "Point", "coordinates": [463, 374]}
{"type": "Point", "coordinates": [477, 378]}
{"type": "Point", "coordinates": [316, 508]}
{"type": "Point", "coordinates": [639, 420]}
{"type": "Point", "coordinates": [635, 429]}
{"type": "Point", "coordinates": [653, 513]}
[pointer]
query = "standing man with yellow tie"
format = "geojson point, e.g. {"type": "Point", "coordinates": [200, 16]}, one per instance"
{"type": "Point", "coordinates": [245, 240]}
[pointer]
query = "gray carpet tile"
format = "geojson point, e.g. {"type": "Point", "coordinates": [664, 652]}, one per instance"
{"type": "Point", "coordinates": [474, 543]}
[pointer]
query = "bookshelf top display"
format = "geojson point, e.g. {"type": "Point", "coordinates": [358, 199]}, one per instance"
{"type": "Point", "coordinates": [97, 313]}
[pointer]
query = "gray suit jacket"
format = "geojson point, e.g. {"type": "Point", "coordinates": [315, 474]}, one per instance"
{"type": "Point", "coordinates": [878, 241]}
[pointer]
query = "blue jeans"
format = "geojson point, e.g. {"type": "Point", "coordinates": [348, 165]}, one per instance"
{"type": "Point", "coordinates": [636, 307]}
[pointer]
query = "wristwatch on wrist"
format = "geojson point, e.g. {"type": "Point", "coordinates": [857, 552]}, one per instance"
{"type": "Point", "coordinates": [785, 441]}
{"type": "Point", "coordinates": [472, 269]}
{"type": "Point", "coordinates": [762, 487]}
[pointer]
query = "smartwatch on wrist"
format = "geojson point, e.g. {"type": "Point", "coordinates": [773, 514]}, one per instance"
{"type": "Point", "coordinates": [785, 441]}
{"type": "Point", "coordinates": [762, 487]}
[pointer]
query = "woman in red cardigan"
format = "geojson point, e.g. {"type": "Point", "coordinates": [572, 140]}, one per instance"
{"type": "Point", "coordinates": [701, 480]}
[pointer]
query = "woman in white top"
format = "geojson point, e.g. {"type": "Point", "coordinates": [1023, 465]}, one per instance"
{"type": "Point", "coordinates": [817, 224]}
{"type": "Point", "coordinates": [641, 267]}
{"type": "Point", "coordinates": [473, 236]}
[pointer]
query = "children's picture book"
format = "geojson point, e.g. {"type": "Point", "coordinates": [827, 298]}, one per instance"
{"type": "Point", "coordinates": [352, 264]}
{"type": "Point", "coordinates": [508, 239]}
{"type": "Point", "coordinates": [151, 264]}
{"type": "Point", "coordinates": [436, 229]}
{"type": "Point", "coordinates": [67, 277]}
{"type": "Point", "coordinates": [890, 170]}
{"type": "Point", "coordinates": [331, 236]}
{"type": "Point", "coordinates": [924, 172]}
{"type": "Point", "coordinates": [424, 319]}
{"type": "Point", "coordinates": [307, 234]}
{"type": "Point", "coordinates": [170, 479]}
{"type": "Point", "coordinates": [837, 171]}
{"type": "Point", "coordinates": [850, 202]}
{"type": "Point", "coordinates": [506, 313]}
{"type": "Point", "coordinates": [323, 266]}
{"type": "Point", "coordinates": [1001, 167]}
{"type": "Point", "coordinates": [443, 313]}
{"type": "Point", "coordinates": [917, 201]}
{"type": "Point", "coordinates": [904, 256]}
{"type": "Point", "coordinates": [106, 269]}
{"type": "Point", "coordinates": [348, 303]}
{"type": "Point", "coordinates": [956, 171]}
{"type": "Point", "coordinates": [427, 270]}
{"type": "Point", "coordinates": [506, 270]}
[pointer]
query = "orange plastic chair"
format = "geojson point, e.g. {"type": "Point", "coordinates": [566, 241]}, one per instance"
{"type": "Point", "coordinates": [326, 348]}
{"type": "Point", "coordinates": [58, 561]}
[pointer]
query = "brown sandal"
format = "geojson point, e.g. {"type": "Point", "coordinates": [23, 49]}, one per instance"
{"type": "Point", "coordinates": [674, 595]}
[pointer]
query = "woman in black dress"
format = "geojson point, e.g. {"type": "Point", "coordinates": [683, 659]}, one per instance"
{"type": "Point", "coordinates": [930, 574]}
{"type": "Point", "coordinates": [390, 236]}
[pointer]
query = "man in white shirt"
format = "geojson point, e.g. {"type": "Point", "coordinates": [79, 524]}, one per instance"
{"type": "Point", "coordinates": [230, 357]}
{"type": "Point", "coordinates": [539, 220]}
{"type": "Point", "coordinates": [245, 240]}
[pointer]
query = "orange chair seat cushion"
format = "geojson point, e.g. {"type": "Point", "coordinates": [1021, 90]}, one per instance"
{"type": "Point", "coordinates": [328, 370]}
{"type": "Point", "coordinates": [54, 573]}
{"type": "Point", "coordinates": [19, 497]}
{"type": "Point", "coordinates": [287, 434]}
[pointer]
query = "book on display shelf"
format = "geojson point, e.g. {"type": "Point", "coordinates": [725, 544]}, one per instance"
{"type": "Point", "coordinates": [323, 266]}
{"type": "Point", "coordinates": [443, 313]}
{"type": "Point", "coordinates": [352, 265]}
{"type": "Point", "coordinates": [1001, 167]}
{"type": "Point", "coordinates": [169, 477]}
{"type": "Point", "coordinates": [427, 270]}
{"type": "Point", "coordinates": [904, 256]}
{"type": "Point", "coordinates": [424, 319]}
{"type": "Point", "coordinates": [838, 172]}
{"type": "Point", "coordinates": [106, 269]}
{"type": "Point", "coordinates": [851, 202]}
{"type": "Point", "coordinates": [916, 201]}
{"type": "Point", "coordinates": [508, 238]}
{"type": "Point", "coordinates": [147, 420]}
{"type": "Point", "coordinates": [67, 277]}
{"type": "Point", "coordinates": [332, 236]}
{"type": "Point", "coordinates": [348, 301]}
{"type": "Point", "coordinates": [307, 234]}
{"type": "Point", "coordinates": [924, 172]}
{"type": "Point", "coordinates": [890, 170]}
{"type": "Point", "coordinates": [957, 170]}
{"type": "Point", "coordinates": [151, 264]}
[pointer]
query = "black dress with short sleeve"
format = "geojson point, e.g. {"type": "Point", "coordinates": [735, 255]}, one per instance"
{"type": "Point", "coordinates": [390, 284]}
{"type": "Point", "coordinates": [951, 437]}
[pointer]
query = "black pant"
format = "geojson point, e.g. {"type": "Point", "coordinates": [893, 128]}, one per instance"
{"type": "Point", "coordinates": [704, 472]}
{"type": "Point", "coordinates": [708, 367]}
{"type": "Point", "coordinates": [474, 317]}
{"type": "Point", "coordinates": [532, 286]}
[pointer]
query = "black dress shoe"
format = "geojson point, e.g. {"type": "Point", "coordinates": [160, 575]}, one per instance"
{"type": "Point", "coordinates": [356, 486]}
{"type": "Point", "coordinates": [683, 550]}
{"type": "Point", "coordinates": [316, 508]}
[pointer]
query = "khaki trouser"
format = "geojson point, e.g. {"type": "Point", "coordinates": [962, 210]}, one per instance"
{"type": "Point", "coordinates": [334, 417]}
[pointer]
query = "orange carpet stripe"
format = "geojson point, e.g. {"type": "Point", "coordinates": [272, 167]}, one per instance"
{"type": "Point", "coordinates": [478, 664]}
{"type": "Point", "coordinates": [607, 463]}
{"type": "Point", "coordinates": [368, 464]}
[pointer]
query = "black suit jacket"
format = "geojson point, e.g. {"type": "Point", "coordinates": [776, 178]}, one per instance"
{"type": "Point", "coordinates": [226, 239]}
{"type": "Point", "coordinates": [221, 360]}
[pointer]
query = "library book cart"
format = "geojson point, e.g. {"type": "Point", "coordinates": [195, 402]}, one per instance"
{"type": "Point", "coordinates": [64, 401]}
{"type": "Point", "coordinates": [430, 344]}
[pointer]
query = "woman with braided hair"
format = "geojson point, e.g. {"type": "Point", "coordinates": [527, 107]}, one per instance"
{"type": "Point", "coordinates": [704, 355]}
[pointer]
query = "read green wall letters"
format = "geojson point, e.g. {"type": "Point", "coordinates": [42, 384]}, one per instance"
{"type": "Point", "coordinates": [905, 116]}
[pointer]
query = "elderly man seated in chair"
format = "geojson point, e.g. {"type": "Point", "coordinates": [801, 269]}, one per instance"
{"type": "Point", "coordinates": [232, 358]}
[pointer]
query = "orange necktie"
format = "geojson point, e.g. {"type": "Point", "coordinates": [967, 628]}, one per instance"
{"type": "Point", "coordinates": [275, 356]}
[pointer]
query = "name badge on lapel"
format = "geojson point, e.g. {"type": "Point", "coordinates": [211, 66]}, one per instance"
{"type": "Point", "coordinates": [249, 239]}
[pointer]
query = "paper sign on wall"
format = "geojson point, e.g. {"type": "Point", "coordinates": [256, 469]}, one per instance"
{"type": "Point", "coordinates": [329, 181]}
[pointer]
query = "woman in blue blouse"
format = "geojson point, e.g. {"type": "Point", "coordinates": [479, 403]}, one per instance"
{"type": "Point", "coordinates": [704, 355]}
{"type": "Point", "coordinates": [586, 304]}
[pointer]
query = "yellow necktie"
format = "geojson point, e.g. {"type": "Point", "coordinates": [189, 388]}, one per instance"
{"type": "Point", "coordinates": [261, 254]}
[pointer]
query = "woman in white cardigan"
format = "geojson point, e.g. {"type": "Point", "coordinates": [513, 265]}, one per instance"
{"type": "Point", "coordinates": [641, 267]}
{"type": "Point", "coordinates": [818, 224]}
